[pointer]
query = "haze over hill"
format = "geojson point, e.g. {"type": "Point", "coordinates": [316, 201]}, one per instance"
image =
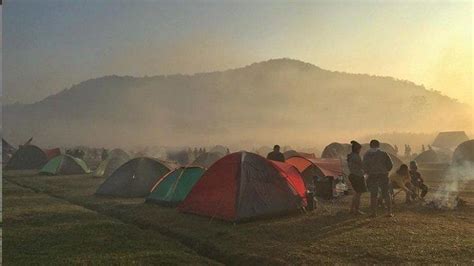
{"type": "Point", "coordinates": [281, 100]}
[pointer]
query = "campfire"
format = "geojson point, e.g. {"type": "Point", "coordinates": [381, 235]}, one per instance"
{"type": "Point", "coordinates": [447, 197]}
{"type": "Point", "coordinates": [446, 203]}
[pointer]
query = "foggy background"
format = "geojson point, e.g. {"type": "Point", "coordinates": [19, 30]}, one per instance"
{"type": "Point", "coordinates": [95, 73]}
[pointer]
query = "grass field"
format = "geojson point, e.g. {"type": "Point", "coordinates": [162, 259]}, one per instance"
{"type": "Point", "coordinates": [57, 219]}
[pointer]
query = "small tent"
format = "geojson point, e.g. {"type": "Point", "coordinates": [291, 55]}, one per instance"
{"type": "Point", "coordinates": [175, 186]}
{"type": "Point", "coordinates": [27, 157]}
{"type": "Point", "coordinates": [336, 151]}
{"type": "Point", "coordinates": [115, 159]}
{"type": "Point", "coordinates": [429, 156]}
{"type": "Point", "coordinates": [311, 168]}
{"type": "Point", "coordinates": [464, 154]}
{"type": "Point", "coordinates": [207, 159]}
{"type": "Point", "coordinates": [65, 165]}
{"type": "Point", "coordinates": [450, 139]}
{"type": "Point", "coordinates": [245, 185]}
{"type": "Point", "coordinates": [292, 153]}
{"type": "Point", "coordinates": [51, 153]}
{"type": "Point", "coordinates": [219, 149]}
{"type": "Point", "coordinates": [135, 178]}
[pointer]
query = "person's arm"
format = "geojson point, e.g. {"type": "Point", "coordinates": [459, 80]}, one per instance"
{"type": "Point", "coordinates": [404, 187]}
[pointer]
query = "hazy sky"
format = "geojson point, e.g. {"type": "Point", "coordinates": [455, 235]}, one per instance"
{"type": "Point", "coordinates": [51, 45]}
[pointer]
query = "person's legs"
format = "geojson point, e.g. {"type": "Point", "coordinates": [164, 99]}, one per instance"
{"type": "Point", "coordinates": [384, 186]}
{"type": "Point", "coordinates": [424, 190]}
{"type": "Point", "coordinates": [373, 188]}
{"type": "Point", "coordinates": [355, 203]}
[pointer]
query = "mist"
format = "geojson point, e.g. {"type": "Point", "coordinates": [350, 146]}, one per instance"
{"type": "Point", "coordinates": [277, 101]}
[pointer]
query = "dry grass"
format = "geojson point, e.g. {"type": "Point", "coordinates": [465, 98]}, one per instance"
{"type": "Point", "coordinates": [328, 235]}
{"type": "Point", "coordinates": [40, 229]}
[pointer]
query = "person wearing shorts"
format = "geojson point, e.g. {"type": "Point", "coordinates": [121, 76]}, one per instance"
{"type": "Point", "coordinates": [356, 176]}
{"type": "Point", "coordinates": [377, 164]}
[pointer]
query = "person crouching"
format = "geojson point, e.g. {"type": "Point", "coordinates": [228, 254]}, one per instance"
{"type": "Point", "coordinates": [416, 180]}
{"type": "Point", "coordinates": [401, 179]}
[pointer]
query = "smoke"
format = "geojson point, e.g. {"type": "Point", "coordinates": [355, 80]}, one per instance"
{"type": "Point", "coordinates": [447, 195]}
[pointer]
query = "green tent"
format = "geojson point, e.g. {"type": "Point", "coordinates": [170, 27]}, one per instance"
{"type": "Point", "coordinates": [65, 165]}
{"type": "Point", "coordinates": [175, 186]}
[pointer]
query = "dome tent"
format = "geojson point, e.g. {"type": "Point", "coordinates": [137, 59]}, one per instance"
{"type": "Point", "coordinates": [219, 149]}
{"type": "Point", "coordinates": [293, 153]}
{"type": "Point", "coordinates": [175, 186]}
{"type": "Point", "coordinates": [244, 185]}
{"type": "Point", "coordinates": [429, 156]}
{"type": "Point", "coordinates": [336, 150]}
{"type": "Point", "coordinates": [311, 168]}
{"type": "Point", "coordinates": [133, 179]}
{"type": "Point", "coordinates": [464, 153]}
{"type": "Point", "coordinates": [207, 159]}
{"type": "Point", "coordinates": [27, 157]}
{"type": "Point", "coordinates": [65, 165]}
{"type": "Point", "coordinates": [115, 159]}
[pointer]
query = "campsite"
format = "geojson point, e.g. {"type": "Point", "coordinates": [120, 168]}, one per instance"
{"type": "Point", "coordinates": [75, 219]}
{"type": "Point", "coordinates": [67, 212]}
{"type": "Point", "coordinates": [241, 132]}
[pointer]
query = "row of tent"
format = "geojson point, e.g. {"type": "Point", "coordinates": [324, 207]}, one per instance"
{"type": "Point", "coordinates": [28, 157]}
{"type": "Point", "coordinates": [238, 186]}
{"type": "Point", "coordinates": [49, 161]}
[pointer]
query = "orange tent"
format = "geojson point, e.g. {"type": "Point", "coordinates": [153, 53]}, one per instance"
{"type": "Point", "coordinates": [310, 168]}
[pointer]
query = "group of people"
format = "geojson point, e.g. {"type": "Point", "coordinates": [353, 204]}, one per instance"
{"type": "Point", "coordinates": [372, 174]}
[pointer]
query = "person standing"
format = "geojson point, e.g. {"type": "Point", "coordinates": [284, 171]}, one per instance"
{"type": "Point", "coordinates": [276, 155]}
{"type": "Point", "coordinates": [377, 164]}
{"type": "Point", "coordinates": [356, 176]}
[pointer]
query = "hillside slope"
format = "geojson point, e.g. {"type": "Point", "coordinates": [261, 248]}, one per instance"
{"type": "Point", "coordinates": [276, 100]}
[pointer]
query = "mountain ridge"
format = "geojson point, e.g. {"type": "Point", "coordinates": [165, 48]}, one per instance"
{"type": "Point", "coordinates": [292, 98]}
{"type": "Point", "coordinates": [261, 63]}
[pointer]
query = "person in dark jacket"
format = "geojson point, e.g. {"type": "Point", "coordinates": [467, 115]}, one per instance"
{"type": "Point", "coordinates": [276, 155]}
{"type": "Point", "coordinates": [356, 176]}
{"type": "Point", "coordinates": [416, 179]}
{"type": "Point", "coordinates": [377, 164]}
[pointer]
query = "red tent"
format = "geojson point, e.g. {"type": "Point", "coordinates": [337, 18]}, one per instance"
{"type": "Point", "coordinates": [244, 185]}
{"type": "Point", "coordinates": [310, 168]}
{"type": "Point", "coordinates": [51, 153]}
{"type": "Point", "coordinates": [330, 167]}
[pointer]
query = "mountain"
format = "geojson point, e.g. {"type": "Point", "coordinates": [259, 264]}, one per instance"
{"type": "Point", "coordinates": [271, 101]}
